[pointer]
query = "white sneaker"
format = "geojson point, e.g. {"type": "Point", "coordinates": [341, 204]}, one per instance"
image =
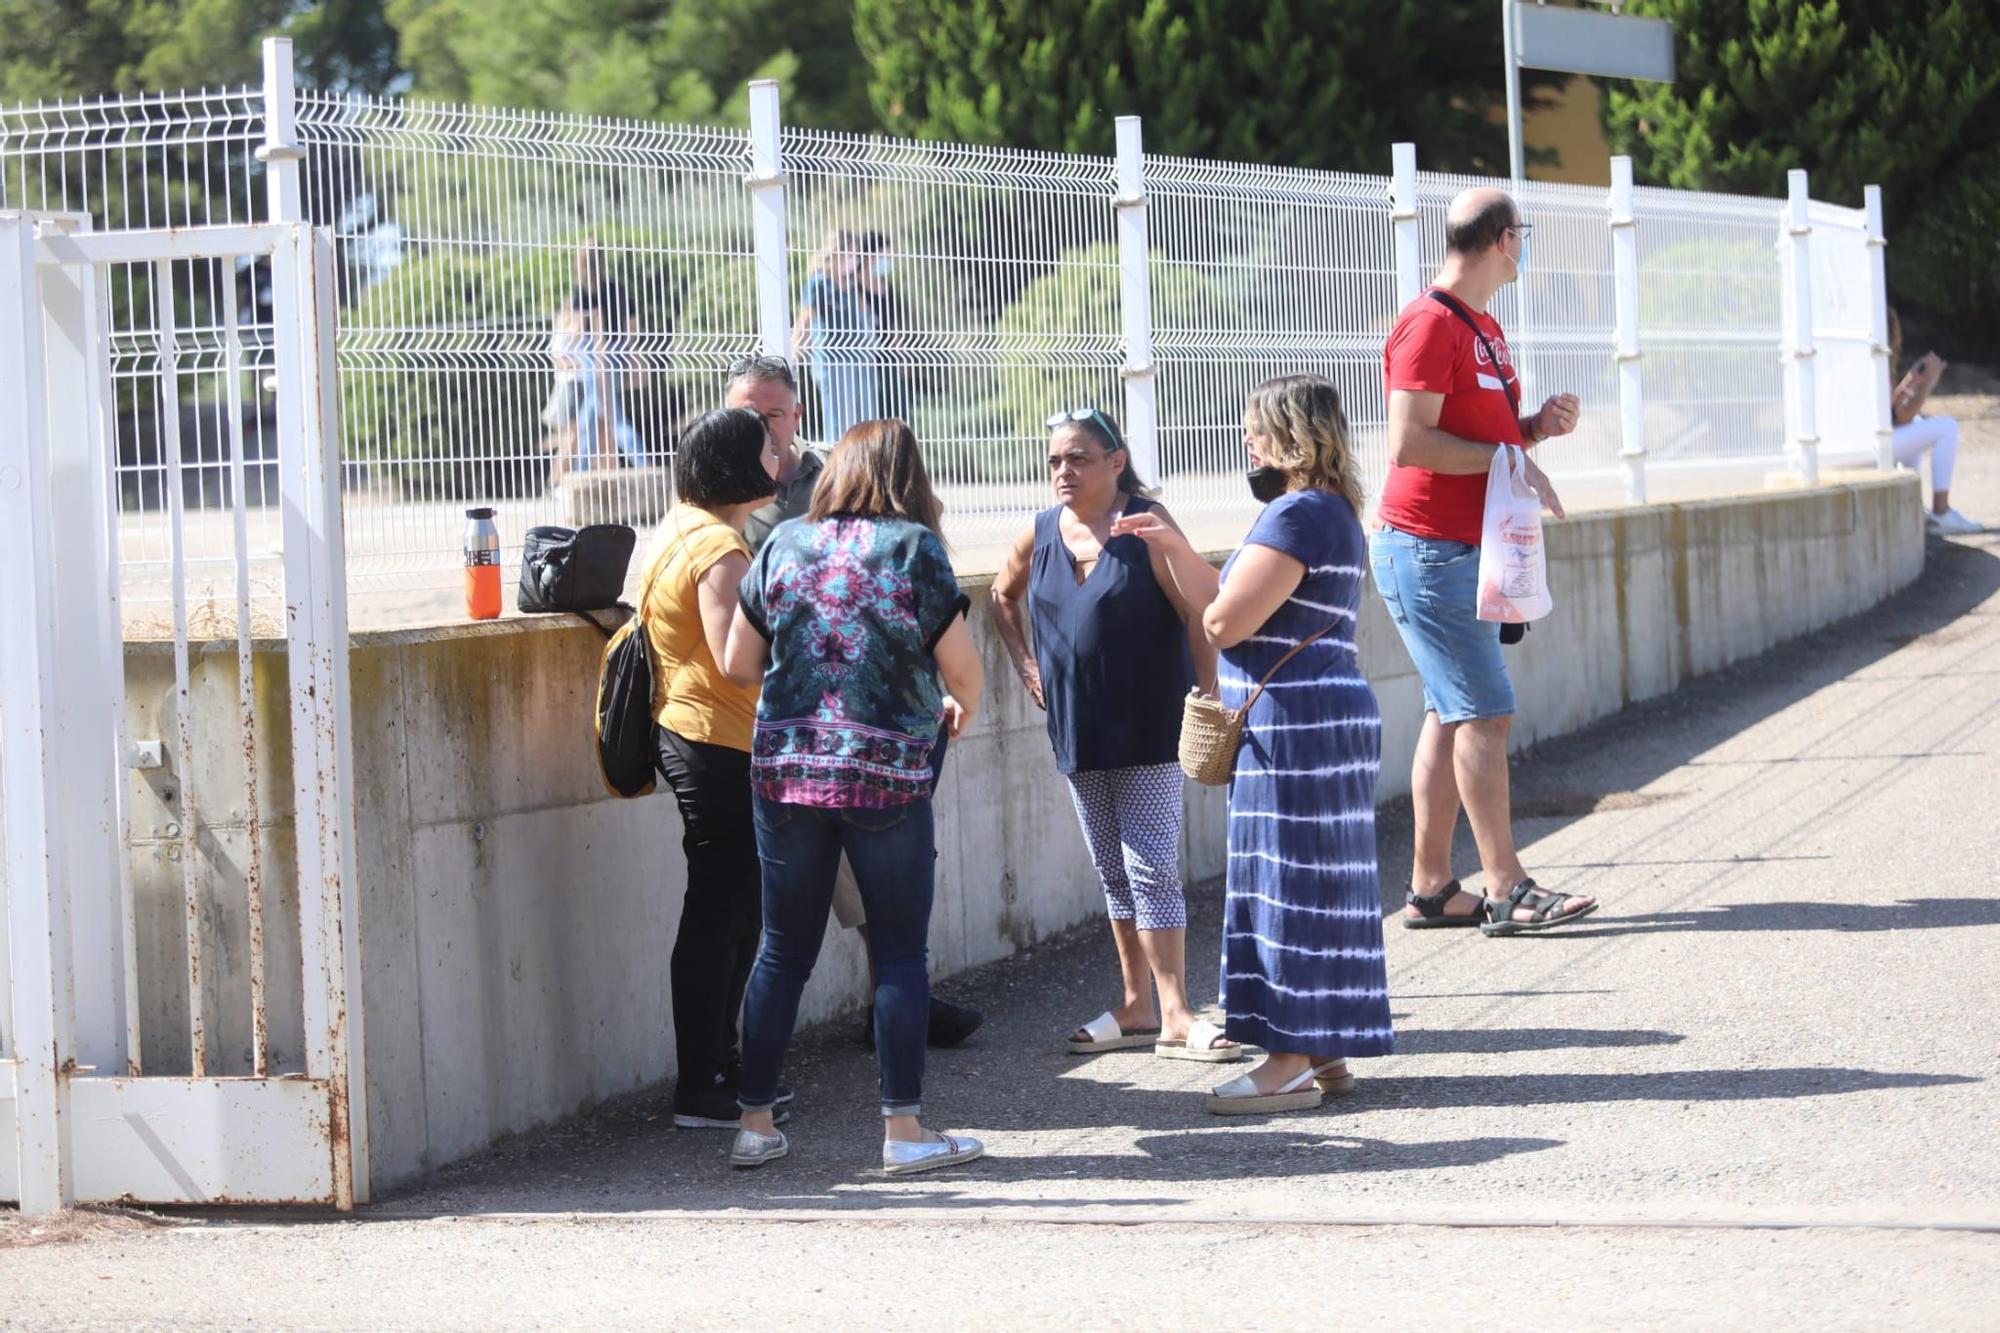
{"type": "Point", "coordinates": [1951, 523]}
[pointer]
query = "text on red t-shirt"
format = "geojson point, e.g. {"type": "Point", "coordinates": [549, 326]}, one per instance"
{"type": "Point", "coordinates": [1432, 351]}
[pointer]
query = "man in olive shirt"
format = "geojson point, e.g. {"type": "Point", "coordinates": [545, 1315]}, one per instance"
{"type": "Point", "coordinates": [766, 386]}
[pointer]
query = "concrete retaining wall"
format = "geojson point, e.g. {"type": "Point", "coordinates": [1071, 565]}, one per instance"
{"type": "Point", "coordinates": [516, 922]}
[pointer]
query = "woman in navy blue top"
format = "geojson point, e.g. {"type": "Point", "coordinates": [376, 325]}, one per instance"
{"type": "Point", "coordinates": [1302, 968]}
{"type": "Point", "coordinates": [1116, 647]}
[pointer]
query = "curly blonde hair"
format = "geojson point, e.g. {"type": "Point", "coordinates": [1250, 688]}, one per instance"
{"type": "Point", "coordinates": [1300, 419]}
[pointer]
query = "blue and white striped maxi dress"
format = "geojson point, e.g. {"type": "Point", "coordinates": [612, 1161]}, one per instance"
{"type": "Point", "coordinates": [1302, 965]}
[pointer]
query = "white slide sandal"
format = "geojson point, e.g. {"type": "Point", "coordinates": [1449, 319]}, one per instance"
{"type": "Point", "coordinates": [1239, 1096]}
{"type": "Point", "coordinates": [1205, 1042]}
{"type": "Point", "coordinates": [1102, 1033]}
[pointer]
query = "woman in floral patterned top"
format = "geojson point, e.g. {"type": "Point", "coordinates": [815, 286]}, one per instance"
{"type": "Point", "coordinates": [852, 620]}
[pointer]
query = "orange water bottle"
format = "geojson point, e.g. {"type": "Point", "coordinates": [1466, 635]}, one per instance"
{"type": "Point", "coordinates": [482, 565]}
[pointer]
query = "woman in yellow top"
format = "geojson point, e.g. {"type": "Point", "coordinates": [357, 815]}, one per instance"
{"type": "Point", "coordinates": [723, 469]}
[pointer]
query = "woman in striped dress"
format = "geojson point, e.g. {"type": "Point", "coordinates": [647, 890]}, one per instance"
{"type": "Point", "coordinates": [1302, 968]}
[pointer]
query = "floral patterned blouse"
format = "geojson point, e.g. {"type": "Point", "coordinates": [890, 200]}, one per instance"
{"type": "Point", "coordinates": [852, 608]}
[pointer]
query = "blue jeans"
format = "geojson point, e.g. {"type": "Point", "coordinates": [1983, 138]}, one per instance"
{"type": "Point", "coordinates": [602, 411]}
{"type": "Point", "coordinates": [1431, 587]}
{"type": "Point", "coordinates": [847, 391]}
{"type": "Point", "coordinates": [893, 853]}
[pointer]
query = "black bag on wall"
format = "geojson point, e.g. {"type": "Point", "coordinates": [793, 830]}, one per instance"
{"type": "Point", "coordinates": [580, 569]}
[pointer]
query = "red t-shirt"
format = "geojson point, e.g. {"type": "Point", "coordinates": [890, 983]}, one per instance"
{"type": "Point", "coordinates": [1431, 351]}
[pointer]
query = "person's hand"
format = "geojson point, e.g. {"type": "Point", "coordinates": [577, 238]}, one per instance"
{"type": "Point", "coordinates": [1150, 528]}
{"type": "Point", "coordinates": [957, 717]}
{"type": "Point", "coordinates": [1539, 481]}
{"type": "Point", "coordinates": [1031, 676]}
{"type": "Point", "coordinates": [1557, 417]}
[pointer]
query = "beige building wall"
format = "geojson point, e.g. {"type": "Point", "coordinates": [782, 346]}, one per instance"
{"type": "Point", "coordinates": [1570, 127]}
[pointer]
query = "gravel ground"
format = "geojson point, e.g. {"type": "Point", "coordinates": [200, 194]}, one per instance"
{"type": "Point", "coordinates": [1759, 1085]}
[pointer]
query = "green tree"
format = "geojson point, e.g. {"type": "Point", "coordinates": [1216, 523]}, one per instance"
{"type": "Point", "coordinates": [677, 60]}
{"type": "Point", "coordinates": [1307, 83]}
{"type": "Point", "coordinates": [1855, 92]}
{"type": "Point", "coordinates": [87, 48]}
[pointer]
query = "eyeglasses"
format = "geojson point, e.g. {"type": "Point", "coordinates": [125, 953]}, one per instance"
{"type": "Point", "coordinates": [1521, 229]}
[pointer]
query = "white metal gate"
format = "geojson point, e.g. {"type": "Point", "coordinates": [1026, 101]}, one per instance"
{"type": "Point", "coordinates": [77, 1098]}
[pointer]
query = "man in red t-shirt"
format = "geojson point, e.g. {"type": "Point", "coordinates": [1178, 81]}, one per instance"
{"type": "Point", "coordinates": [1453, 400]}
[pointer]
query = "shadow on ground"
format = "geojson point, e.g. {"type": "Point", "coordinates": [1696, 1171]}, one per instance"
{"type": "Point", "coordinates": [1563, 780]}
{"type": "Point", "coordinates": [1012, 1077]}
{"type": "Point", "coordinates": [1914, 914]}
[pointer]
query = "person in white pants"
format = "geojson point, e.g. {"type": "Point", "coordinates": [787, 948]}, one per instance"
{"type": "Point", "coordinates": [1916, 435]}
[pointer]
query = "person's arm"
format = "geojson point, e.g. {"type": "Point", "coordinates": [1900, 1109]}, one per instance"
{"type": "Point", "coordinates": [715, 598]}
{"type": "Point", "coordinates": [1915, 387]}
{"type": "Point", "coordinates": [636, 372]}
{"type": "Point", "coordinates": [1262, 578]}
{"type": "Point", "coordinates": [1010, 588]}
{"type": "Point", "coordinates": [1557, 416]}
{"type": "Point", "coordinates": [1415, 439]}
{"type": "Point", "coordinates": [1192, 578]}
{"type": "Point", "coordinates": [803, 325]}
{"type": "Point", "coordinates": [1199, 648]}
{"type": "Point", "coordinates": [963, 677]}
{"type": "Point", "coordinates": [746, 652]}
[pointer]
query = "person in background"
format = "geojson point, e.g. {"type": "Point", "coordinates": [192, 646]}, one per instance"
{"type": "Point", "coordinates": [558, 414]}
{"type": "Point", "coordinates": [892, 355]}
{"type": "Point", "coordinates": [838, 329]}
{"type": "Point", "coordinates": [608, 323]}
{"type": "Point", "coordinates": [1303, 974]}
{"type": "Point", "coordinates": [1116, 647]}
{"type": "Point", "coordinates": [1917, 435]}
{"type": "Point", "coordinates": [701, 732]}
{"type": "Point", "coordinates": [854, 622]}
{"type": "Point", "coordinates": [764, 385]}
{"type": "Point", "coordinates": [1454, 398]}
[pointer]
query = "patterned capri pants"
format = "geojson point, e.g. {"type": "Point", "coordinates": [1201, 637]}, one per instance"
{"type": "Point", "coordinates": [1132, 820]}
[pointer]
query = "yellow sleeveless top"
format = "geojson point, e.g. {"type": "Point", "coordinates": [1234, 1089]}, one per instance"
{"type": "Point", "coordinates": [691, 696]}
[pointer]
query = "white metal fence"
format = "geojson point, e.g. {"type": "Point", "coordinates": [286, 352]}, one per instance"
{"type": "Point", "coordinates": [1722, 331]}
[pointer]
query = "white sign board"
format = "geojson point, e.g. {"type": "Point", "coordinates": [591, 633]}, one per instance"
{"type": "Point", "coordinates": [1581, 41]}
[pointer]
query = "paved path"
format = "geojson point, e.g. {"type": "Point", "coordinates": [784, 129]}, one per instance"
{"type": "Point", "coordinates": [1762, 1084]}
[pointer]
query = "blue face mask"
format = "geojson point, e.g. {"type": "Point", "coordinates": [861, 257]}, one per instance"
{"type": "Point", "coordinates": [883, 268]}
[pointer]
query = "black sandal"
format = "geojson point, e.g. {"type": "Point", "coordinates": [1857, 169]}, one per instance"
{"type": "Point", "coordinates": [1545, 910]}
{"type": "Point", "coordinates": [1430, 910]}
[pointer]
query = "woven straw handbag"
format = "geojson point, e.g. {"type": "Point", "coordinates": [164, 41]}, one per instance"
{"type": "Point", "coordinates": [1211, 734]}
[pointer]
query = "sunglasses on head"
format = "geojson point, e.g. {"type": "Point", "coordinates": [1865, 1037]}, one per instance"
{"type": "Point", "coordinates": [1076, 414]}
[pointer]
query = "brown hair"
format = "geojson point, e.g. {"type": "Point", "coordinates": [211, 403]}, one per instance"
{"type": "Point", "coordinates": [1301, 420]}
{"type": "Point", "coordinates": [877, 471]}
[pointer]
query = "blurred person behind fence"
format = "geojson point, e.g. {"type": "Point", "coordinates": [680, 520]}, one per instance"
{"type": "Point", "coordinates": [839, 332]}
{"type": "Point", "coordinates": [1303, 974]}
{"type": "Point", "coordinates": [702, 731]}
{"type": "Point", "coordinates": [1116, 647]}
{"type": "Point", "coordinates": [558, 414]}
{"type": "Point", "coordinates": [894, 373]}
{"type": "Point", "coordinates": [608, 323]}
{"type": "Point", "coordinates": [853, 620]}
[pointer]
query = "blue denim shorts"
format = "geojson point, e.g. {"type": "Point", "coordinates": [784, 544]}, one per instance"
{"type": "Point", "coordinates": [1431, 588]}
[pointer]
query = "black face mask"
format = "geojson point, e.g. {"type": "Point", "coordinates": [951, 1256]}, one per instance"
{"type": "Point", "coordinates": [1267, 483]}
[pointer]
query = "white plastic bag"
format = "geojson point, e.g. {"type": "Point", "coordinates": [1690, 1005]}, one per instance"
{"type": "Point", "coordinates": [1513, 569]}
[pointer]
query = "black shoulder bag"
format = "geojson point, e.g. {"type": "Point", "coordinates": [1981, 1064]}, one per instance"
{"type": "Point", "coordinates": [575, 569]}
